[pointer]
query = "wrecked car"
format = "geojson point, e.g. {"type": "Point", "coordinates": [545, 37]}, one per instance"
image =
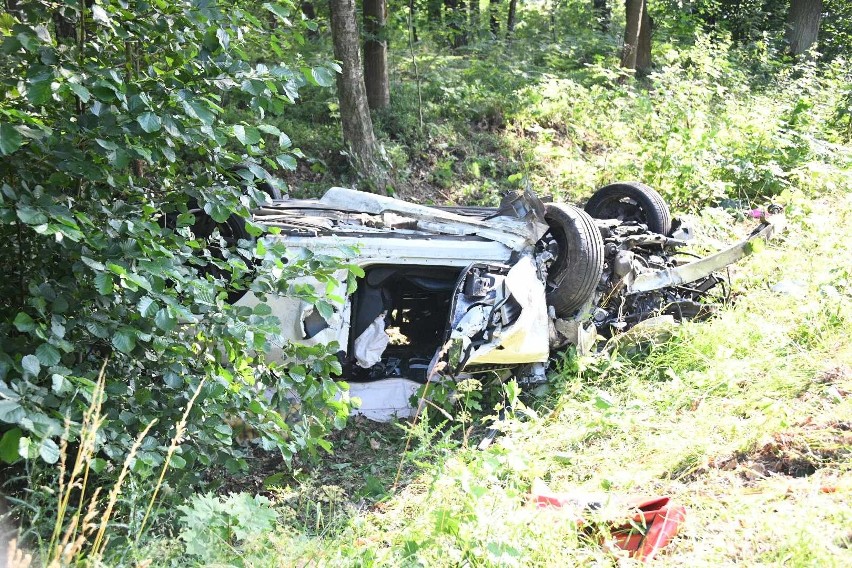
{"type": "Point", "coordinates": [467, 291]}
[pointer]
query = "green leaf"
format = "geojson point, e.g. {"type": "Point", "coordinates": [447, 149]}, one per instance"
{"type": "Point", "coordinates": [199, 111]}
{"type": "Point", "coordinates": [247, 135]}
{"type": "Point", "coordinates": [11, 411]}
{"type": "Point", "coordinates": [269, 129]}
{"type": "Point", "coordinates": [224, 38]}
{"type": "Point", "coordinates": [97, 329]}
{"type": "Point", "coordinates": [100, 15]}
{"type": "Point", "coordinates": [325, 309]}
{"type": "Point", "coordinates": [97, 464]}
{"type": "Point", "coordinates": [49, 451]}
{"type": "Point", "coordinates": [149, 122]}
{"type": "Point", "coordinates": [104, 283]}
{"type": "Point", "coordinates": [262, 310]}
{"type": "Point", "coordinates": [31, 216]}
{"type": "Point", "coordinates": [287, 161]}
{"type": "Point", "coordinates": [24, 322]}
{"type": "Point", "coordinates": [278, 10]}
{"type": "Point", "coordinates": [31, 364]}
{"type": "Point", "coordinates": [25, 448]}
{"type": "Point", "coordinates": [106, 144]}
{"type": "Point", "coordinates": [178, 462]}
{"type": "Point", "coordinates": [322, 76]}
{"type": "Point", "coordinates": [47, 355]}
{"type": "Point", "coordinates": [9, 445]}
{"type": "Point", "coordinates": [147, 307]}
{"type": "Point", "coordinates": [92, 263]}
{"type": "Point", "coordinates": [274, 480]}
{"type": "Point", "coordinates": [165, 320]}
{"type": "Point", "coordinates": [59, 384]}
{"type": "Point", "coordinates": [81, 92]}
{"type": "Point", "coordinates": [124, 340]}
{"type": "Point", "coordinates": [39, 92]}
{"type": "Point", "coordinates": [10, 139]}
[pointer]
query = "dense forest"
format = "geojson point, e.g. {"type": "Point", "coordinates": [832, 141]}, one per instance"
{"type": "Point", "coordinates": [136, 137]}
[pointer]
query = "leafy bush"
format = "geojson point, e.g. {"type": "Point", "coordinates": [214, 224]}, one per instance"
{"type": "Point", "coordinates": [124, 204]}
{"type": "Point", "coordinates": [214, 527]}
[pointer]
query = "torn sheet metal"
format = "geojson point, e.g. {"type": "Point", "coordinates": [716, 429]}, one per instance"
{"type": "Point", "coordinates": [704, 267]}
{"type": "Point", "coordinates": [514, 233]}
{"type": "Point", "coordinates": [506, 323]}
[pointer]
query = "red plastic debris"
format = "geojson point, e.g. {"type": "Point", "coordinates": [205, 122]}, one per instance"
{"type": "Point", "coordinates": [662, 521]}
{"type": "Point", "coordinates": [652, 526]}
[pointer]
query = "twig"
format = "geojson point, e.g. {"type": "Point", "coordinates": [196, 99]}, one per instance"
{"type": "Point", "coordinates": [414, 64]}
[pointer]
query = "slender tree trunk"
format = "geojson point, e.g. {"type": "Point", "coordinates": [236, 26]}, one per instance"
{"type": "Point", "coordinates": [433, 10]}
{"type": "Point", "coordinates": [475, 14]}
{"type": "Point", "coordinates": [412, 11]}
{"type": "Point", "coordinates": [510, 21]}
{"type": "Point", "coordinates": [65, 28]}
{"type": "Point", "coordinates": [494, 16]}
{"type": "Point", "coordinates": [643, 49]}
{"type": "Point", "coordinates": [803, 25]}
{"type": "Point", "coordinates": [355, 115]}
{"type": "Point", "coordinates": [308, 10]}
{"type": "Point", "coordinates": [633, 10]}
{"type": "Point", "coordinates": [456, 21]}
{"type": "Point", "coordinates": [376, 53]}
{"type": "Point", "coordinates": [602, 13]}
{"type": "Point", "coordinates": [310, 13]}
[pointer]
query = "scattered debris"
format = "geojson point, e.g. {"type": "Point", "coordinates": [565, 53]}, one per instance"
{"type": "Point", "coordinates": [793, 288]}
{"type": "Point", "coordinates": [644, 526]}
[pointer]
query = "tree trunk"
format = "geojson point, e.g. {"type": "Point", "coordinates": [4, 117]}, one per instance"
{"type": "Point", "coordinates": [475, 14]}
{"type": "Point", "coordinates": [65, 28]}
{"type": "Point", "coordinates": [310, 13]}
{"type": "Point", "coordinates": [643, 49]}
{"type": "Point", "coordinates": [510, 21]}
{"type": "Point", "coordinates": [412, 20]}
{"type": "Point", "coordinates": [355, 115]}
{"type": "Point", "coordinates": [457, 21]}
{"type": "Point", "coordinates": [433, 10]}
{"type": "Point", "coordinates": [803, 25]}
{"type": "Point", "coordinates": [633, 11]}
{"type": "Point", "coordinates": [494, 15]}
{"type": "Point", "coordinates": [376, 53]}
{"type": "Point", "coordinates": [602, 13]}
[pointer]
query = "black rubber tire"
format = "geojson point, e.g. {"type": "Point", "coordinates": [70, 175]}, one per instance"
{"type": "Point", "coordinates": [631, 201]}
{"type": "Point", "coordinates": [577, 268]}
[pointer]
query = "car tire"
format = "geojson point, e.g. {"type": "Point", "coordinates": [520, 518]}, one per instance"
{"type": "Point", "coordinates": [575, 272]}
{"type": "Point", "coordinates": [631, 201]}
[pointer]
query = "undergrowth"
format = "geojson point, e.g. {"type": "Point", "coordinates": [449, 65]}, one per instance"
{"type": "Point", "coordinates": [711, 122]}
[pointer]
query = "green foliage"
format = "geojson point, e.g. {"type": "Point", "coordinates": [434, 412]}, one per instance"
{"type": "Point", "coordinates": [124, 201]}
{"type": "Point", "coordinates": [214, 527]}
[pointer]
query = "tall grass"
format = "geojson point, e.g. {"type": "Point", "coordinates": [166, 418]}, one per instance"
{"type": "Point", "coordinates": [83, 523]}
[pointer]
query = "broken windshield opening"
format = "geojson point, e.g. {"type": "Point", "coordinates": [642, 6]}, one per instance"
{"type": "Point", "coordinates": [399, 318]}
